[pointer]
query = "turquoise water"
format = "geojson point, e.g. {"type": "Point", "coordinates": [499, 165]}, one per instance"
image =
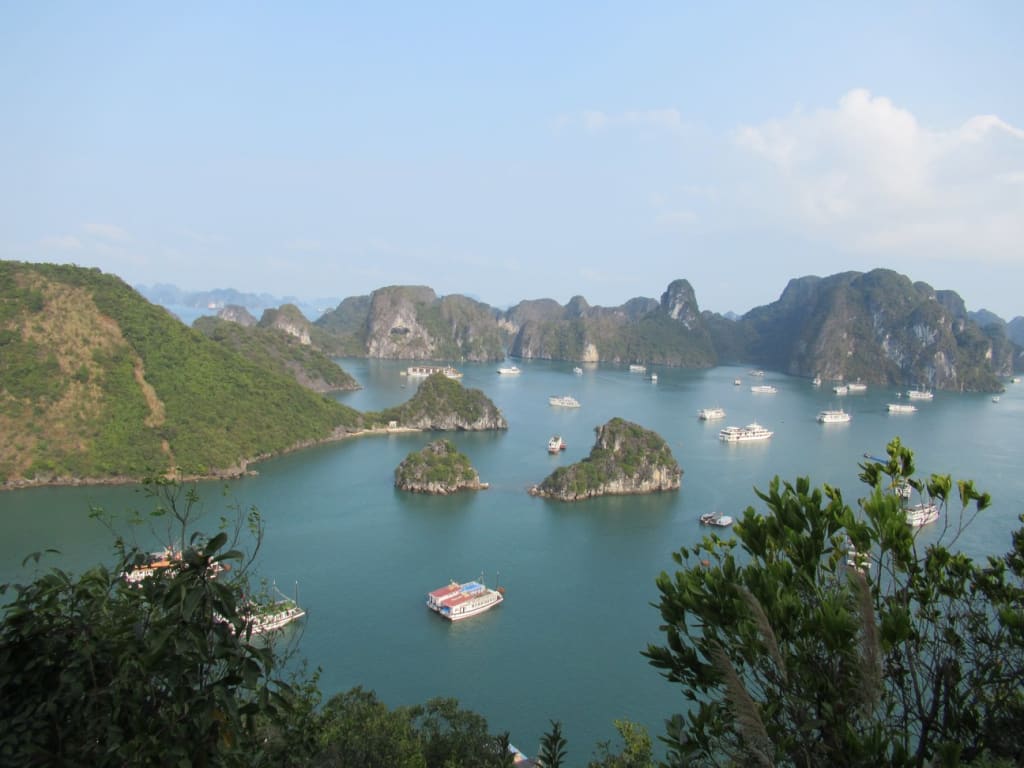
{"type": "Point", "coordinates": [566, 642]}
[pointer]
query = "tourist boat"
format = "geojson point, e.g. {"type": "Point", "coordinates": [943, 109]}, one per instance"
{"type": "Point", "coordinates": [859, 561]}
{"type": "Point", "coordinates": [757, 372]}
{"type": "Point", "coordinates": [766, 389]}
{"type": "Point", "coordinates": [1015, 380]}
{"type": "Point", "coordinates": [903, 489]}
{"type": "Point", "coordinates": [901, 408]}
{"type": "Point", "coordinates": [995, 399]}
{"type": "Point", "coordinates": [714, 518]}
{"type": "Point", "coordinates": [922, 514]}
{"type": "Point", "coordinates": [752, 431]}
{"type": "Point", "coordinates": [422, 371]}
{"type": "Point", "coordinates": [833, 417]}
{"type": "Point", "coordinates": [709, 414]}
{"type": "Point", "coordinates": [841, 389]}
{"type": "Point", "coordinates": [816, 381]}
{"type": "Point", "coordinates": [556, 444]}
{"type": "Point", "coordinates": [857, 387]}
{"type": "Point", "coordinates": [638, 368]}
{"type": "Point", "coordinates": [919, 394]}
{"type": "Point", "coordinates": [565, 401]}
{"type": "Point", "coordinates": [163, 562]}
{"type": "Point", "coordinates": [654, 378]}
{"type": "Point", "coordinates": [275, 615]}
{"type": "Point", "coordinates": [460, 601]}
{"type": "Point", "coordinates": [578, 371]}
{"type": "Point", "coordinates": [509, 370]}
{"type": "Point", "coordinates": [737, 382]}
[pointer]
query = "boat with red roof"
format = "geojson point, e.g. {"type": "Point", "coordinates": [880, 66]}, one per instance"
{"type": "Point", "coordinates": [460, 601]}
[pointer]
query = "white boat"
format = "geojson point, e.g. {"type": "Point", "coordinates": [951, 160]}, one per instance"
{"type": "Point", "coordinates": [578, 371]}
{"type": "Point", "coordinates": [714, 518]}
{"type": "Point", "coordinates": [903, 489]}
{"type": "Point", "coordinates": [460, 601]}
{"type": "Point", "coordinates": [709, 414]}
{"type": "Point", "coordinates": [737, 382]}
{"type": "Point", "coordinates": [1015, 380]}
{"type": "Point", "coordinates": [841, 389]}
{"type": "Point", "coordinates": [752, 431]}
{"type": "Point", "coordinates": [764, 389]}
{"type": "Point", "coordinates": [509, 370]}
{"type": "Point", "coordinates": [565, 401]}
{"type": "Point", "coordinates": [654, 378]}
{"type": "Point", "coordinates": [816, 381]}
{"type": "Point", "coordinates": [275, 615]}
{"type": "Point", "coordinates": [859, 561]}
{"type": "Point", "coordinates": [922, 514]}
{"type": "Point", "coordinates": [757, 372]}
{"type": "Point", "coordinates": [422, 371]}
{"type": "Point", "coordinates": [833, 416]}
{"type": "Point", "coordinates": [901, 408]}
{"type": "Point", "coordinates": [995, 399]}
{"type": "Point", "coordinates": [919, 394]}
{"type": "Point", "coordinates": [638, 368]}
{"type": "Point", "coordinates": [857, 387]}
{"type": "Point", "coordinates": [556, 444]}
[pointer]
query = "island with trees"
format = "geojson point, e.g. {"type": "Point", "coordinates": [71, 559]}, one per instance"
{"type": "Point", "coordinates": [439, 468]}
{"type": "Point", "coordinates": [625, 459]}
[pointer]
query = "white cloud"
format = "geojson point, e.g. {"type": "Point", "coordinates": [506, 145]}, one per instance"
{"type": "Point", "coordinates": [866, 175]}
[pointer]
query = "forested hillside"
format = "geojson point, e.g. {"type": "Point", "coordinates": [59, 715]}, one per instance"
{"type": "Point", "coordinates": [97, 383]}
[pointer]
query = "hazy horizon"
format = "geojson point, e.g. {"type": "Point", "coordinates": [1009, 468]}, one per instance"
{"type": "Point", "coordinates": [529, 151]}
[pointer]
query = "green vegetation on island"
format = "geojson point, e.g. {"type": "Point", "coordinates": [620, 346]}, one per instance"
{"type": "Point", "coordinates": [99, 384]}
{"type": "Point", "coordinates": [437, 468]}
{"type": "Point", "coordinates": [625, 459]}
{"type": "Point", "coordinates": [442, 404]}
{"type": "Point", "coordinates": [273, 348]}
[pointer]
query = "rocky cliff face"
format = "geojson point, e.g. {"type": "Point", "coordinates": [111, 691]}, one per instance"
{"type": "Point", "coordinates": [235, 313]}
{"type": "Point", "coordinates": [878, 327]}
{"type": "Point", "coordinates": [288, 318]}
{"type": "Point", "coordinates": [670, 332]}
{"type": "Point", "coordinates": [445, 405]}
{"type": "Point", "coordinates": [625, 459]}
{"type": "Point", "coordinates": [437, 469]}
{"type": "Point", "coordinates": [412, 323]}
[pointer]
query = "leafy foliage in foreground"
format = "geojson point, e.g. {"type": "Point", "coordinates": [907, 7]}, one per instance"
{"type": "Point", "coordinates": [790, 654]}
{"type": "Point", "coordinates": [103, 384]}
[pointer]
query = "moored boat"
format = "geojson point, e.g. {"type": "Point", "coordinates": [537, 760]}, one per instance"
{"type": "Point", "coordinates": [857, 387]}
{"type": "Point", "coordinates": [922, 514]}
{"type": "Point", "coordinates": [709, 414]}
{"type": "Point", "coordinates": [737, 382]}
{"type": "Point", "coordinates": [838, 416]}
{"type": "Point", "coordinates": [578, 371]}
{"type": "Point", "coordinates": [275, 615]}
{"type": "Point", "coordinates": [460, 601]}
{"type": "Point", "coordinates": [841, 389]}
{"type": "Point", "coordinates": [556, 444]}
{"type": "Point", "coordinates": [919, 394]}
{"type": "Point", "coordinates": [637, 368]}
{"type": "Point", "coordinates": [816, 381]}
{"type": "Point", "coordinates": [422, 371]}
{"type": "Point", "coordinates": [564, 401]}
{"type": "Point", "coordinates": [752, 431]}
{"type": "Point", "coordinates": [764, 389]}
{"type": "Point", "coordinates": [509, 370]}
{"type": "Point", "coordinates": [715, 518]}
{"type": "Point", "coordinates": [901, 408]}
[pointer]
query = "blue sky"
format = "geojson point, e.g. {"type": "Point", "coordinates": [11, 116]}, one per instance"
{"type": "Point", "coordinates": [517, 151]}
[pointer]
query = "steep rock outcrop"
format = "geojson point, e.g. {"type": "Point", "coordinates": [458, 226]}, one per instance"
{"type": "Point", "coordinates": [437, 469]}
{"type": "Point", "coordinates": [235, 313]}
{"type": "Point", "coordinates": [289, 319]}
{"type": "Point", "coordinates": [443, 404]}
{"type": "Point", "coordinates": [625, 459]}
{"type": "Point", "coordinates": [670, 332]}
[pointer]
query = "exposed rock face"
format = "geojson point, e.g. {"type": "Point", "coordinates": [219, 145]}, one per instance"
{"type": "Point", "coordinates": [288, 318]}
{"type": "Point", "coordinates": [625, 459]}
{"type": "Point", "coordinates": [443, 404]}
{"type": "Point", "coordinates": [234, 313]}
{"type": "Point", "coordinates": [878, 327]}
{"type": "Point", "coordinates": [670, 332]}
{"type": "Point", "coordinates": [439, 469]}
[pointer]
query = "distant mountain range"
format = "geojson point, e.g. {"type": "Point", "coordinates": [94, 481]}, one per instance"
{"type": "Point", "coordinates": [878, 326]}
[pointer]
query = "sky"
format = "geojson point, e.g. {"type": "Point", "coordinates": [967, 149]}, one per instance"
{"type": "Point", "coordinates": [511, 151]}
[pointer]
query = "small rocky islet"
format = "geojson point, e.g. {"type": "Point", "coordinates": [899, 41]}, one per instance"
{"type": "Point", "coordinates": [439, 468]}
{"type": "Point", "coordinates": [626, 459]}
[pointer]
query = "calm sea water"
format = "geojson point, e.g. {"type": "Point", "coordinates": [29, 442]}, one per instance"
{"type": "Point", "coordinates": [579, 577]}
